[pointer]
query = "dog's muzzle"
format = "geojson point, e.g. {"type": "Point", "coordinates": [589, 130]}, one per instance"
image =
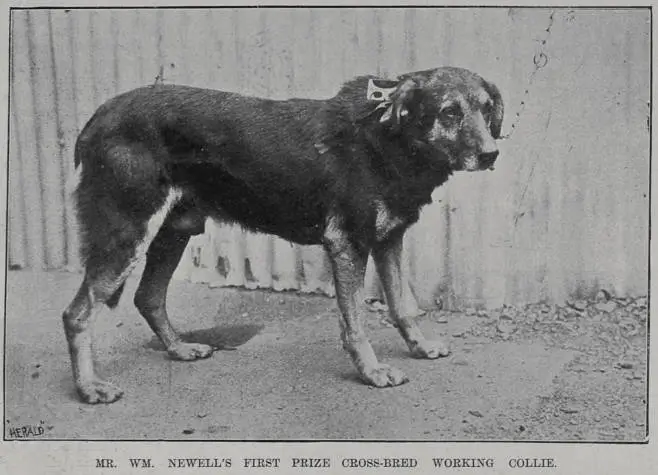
{"type": "Point", "coordinates": [486, 160]}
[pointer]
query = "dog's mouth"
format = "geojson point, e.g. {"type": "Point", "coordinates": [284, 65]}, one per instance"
{"type": "Point", "coordinates": [487, 166]}
{"type": "Point", "coordinates": [473, 163]}
{"type": "Point", "coordinates": [469, 162]}
{"type": "Point", "coordinates": [476, 167]}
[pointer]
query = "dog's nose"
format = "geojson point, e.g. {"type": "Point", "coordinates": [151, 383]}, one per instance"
{"type": "Point", "coordinates": [487, 159]}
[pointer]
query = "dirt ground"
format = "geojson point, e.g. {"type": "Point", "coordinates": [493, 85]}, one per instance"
{"type": "Point", "coordinates": [571, 372]}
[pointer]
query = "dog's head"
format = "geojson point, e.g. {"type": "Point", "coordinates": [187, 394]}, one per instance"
{"type": "Point", "coordinates": [449, 110]}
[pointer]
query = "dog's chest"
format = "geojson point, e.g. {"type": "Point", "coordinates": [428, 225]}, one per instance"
{"type": "Point", "coordinates": [387, 221]}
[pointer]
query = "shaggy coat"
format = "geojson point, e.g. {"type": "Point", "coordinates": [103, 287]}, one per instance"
{"type": "Point", "coordinates": [350, 173]}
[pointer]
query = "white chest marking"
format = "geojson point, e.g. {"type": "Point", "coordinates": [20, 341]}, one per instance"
{"type": "Point", "coordinates": [385, 221]}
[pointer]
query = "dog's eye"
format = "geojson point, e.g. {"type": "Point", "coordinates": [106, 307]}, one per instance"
{"type": "Point", "coordinates": [451, 113]}
{"type": "Point", "coordinates": [487, 112]}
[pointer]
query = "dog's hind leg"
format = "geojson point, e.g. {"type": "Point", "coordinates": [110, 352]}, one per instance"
{"type": "Point", "coordinates": [162, 258]}
{"type": "Point", "coordinates": [387, 256]}
{"type": "Point", "coordinates": [112, 248]}
{"type": "Point", "coordinates": [349, 263]}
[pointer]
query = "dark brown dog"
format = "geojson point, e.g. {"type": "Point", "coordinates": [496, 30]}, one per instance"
{"type": "Point", "coordinates": [351, 173]}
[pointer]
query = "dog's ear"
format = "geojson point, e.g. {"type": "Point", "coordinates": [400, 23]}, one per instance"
{"type": "Point", "coordinates": [403, 101]}
{"type": "Point", "coordinates": [498, 109]}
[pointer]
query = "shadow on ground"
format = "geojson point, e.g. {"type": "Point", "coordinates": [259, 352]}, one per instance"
{"type": "Point", "coordinates": [220, 337]}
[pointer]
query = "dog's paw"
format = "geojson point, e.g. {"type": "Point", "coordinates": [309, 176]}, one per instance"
{"type": "Point", "coordinates": [430, 349]}
{"type": "Point", "coordinates": [190, 351]}
{"type": "Point", "coordinates": [99, 392]}
{"type": "Point", "coordinates": [383, 375]}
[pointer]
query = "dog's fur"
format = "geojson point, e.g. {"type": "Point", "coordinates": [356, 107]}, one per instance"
{"type": "Point", "coordinates": [351, 173]}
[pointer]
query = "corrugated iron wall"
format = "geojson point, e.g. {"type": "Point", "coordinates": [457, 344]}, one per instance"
{"type": "Point", "coordinates": [565, 212]}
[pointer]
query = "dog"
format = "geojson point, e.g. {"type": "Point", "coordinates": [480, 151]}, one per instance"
{"type": "Point", "coordinates": [350, 173]}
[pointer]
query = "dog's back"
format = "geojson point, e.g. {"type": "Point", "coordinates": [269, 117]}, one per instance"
{"type": "Point", "coordinates": [210, 144]}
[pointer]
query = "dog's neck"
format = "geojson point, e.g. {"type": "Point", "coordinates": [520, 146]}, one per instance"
{"type": "Point", "coordinates": [405, 182]}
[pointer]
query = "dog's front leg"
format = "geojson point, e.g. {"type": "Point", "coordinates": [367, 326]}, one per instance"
{"type": "Point", "coordinates": [387, 256]}
{"type": "Point", "coordinates": [349, 262]}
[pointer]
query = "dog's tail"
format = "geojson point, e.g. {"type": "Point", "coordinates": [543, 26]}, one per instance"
{"type": "Point", "coordinates": [113, 301]}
